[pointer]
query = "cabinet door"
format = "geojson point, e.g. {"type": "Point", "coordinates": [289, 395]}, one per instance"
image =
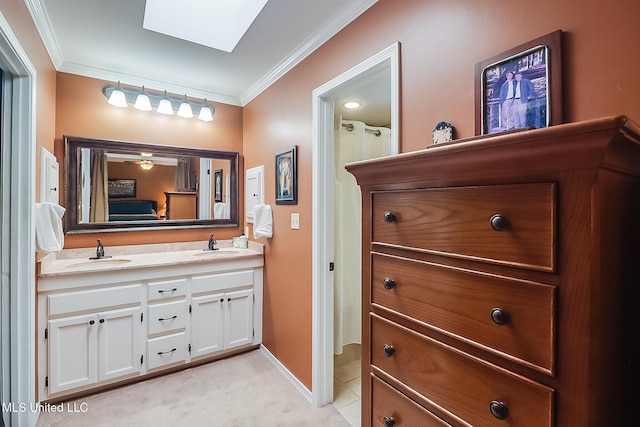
{"type": "Point", "coordinates": [72, 352]}
{"type": "Point", "coordinates": [207, 324]}
{"type": "Point", "coordinates": [238, 318]}
{"type": "Point", "coordinates": [119, 343]}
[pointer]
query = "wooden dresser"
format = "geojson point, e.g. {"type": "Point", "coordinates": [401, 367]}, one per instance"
{"type": "Point", "coordinates": [500, 280]}
{"type": "Point", "coordinates": [181, 204]}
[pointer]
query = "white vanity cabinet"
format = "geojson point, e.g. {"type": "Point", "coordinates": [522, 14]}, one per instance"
{"type": "Point", "coordinates": [227, 301]}
{"type": "Point", "coordinates": [89, 340]}
{"type": "Point", "coordinates": [112, 325]}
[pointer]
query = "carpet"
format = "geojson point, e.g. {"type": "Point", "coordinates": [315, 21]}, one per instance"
{"type": "Point", "coordinates": [244, 390]}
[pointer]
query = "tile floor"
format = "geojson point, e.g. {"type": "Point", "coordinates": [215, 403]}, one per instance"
{"type": "Point", "coordinates": [347, 384]}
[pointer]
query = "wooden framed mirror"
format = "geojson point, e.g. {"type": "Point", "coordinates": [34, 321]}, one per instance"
{"type": "Point", "coordinates": [115, 186]}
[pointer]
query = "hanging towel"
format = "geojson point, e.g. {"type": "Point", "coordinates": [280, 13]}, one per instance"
{"type": "Point", "coordinates": [49, 235]}
{"type": "Point", "coordinates": [219, 210]}
{"type": "Point", "coordinates": [262, 222]}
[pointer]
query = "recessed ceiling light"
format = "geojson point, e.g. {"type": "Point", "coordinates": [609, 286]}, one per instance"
{"type": "Point", "coordinates": [219, 24]}
{"type": "Point", "coordinates": [351, 105]}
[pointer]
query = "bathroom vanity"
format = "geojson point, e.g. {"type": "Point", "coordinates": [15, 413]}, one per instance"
{"type": "Point", "coordinates": [145, 310]}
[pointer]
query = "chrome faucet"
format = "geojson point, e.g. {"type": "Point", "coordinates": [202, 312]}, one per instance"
{"type": "Point", "coordinates": [212, 243]}
{"type": "Point", "coordinates": [100, 252]}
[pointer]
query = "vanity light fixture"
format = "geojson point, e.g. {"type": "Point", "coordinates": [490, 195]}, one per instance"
{"type": "Point", "coordinates": [164, 106]}
{"type": "Point", "coordinates": [142, 101]}
{"type": "Point", "coordinates": [163, 103]}
{"type": "Point", "coordinates": [185, 109]}
{"type": "Point", "coordinates": [117, 97]}
{"type": "Point", "coordinates": [206, 112]}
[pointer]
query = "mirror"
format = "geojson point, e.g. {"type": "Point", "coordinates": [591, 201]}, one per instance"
{"type": "Point", "coordinates": [124, 186]}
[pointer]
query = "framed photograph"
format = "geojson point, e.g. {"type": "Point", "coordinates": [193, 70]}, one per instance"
{"type": "Point", "coordinates": [287, 176]}
{"type": "Point", "coordinates": [520, 88]}
{"type": "Point", "coordinates": [217, 185]}
{"type": "Point", "coordinates": [121, 188]}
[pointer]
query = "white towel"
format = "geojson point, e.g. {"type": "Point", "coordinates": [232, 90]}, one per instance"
{"type": "Point", "coordinates": [49, 235]}
{"type": "Point", "coordinates": [219, 210]}
{"type": "Point", "coordinates": [262, 222]}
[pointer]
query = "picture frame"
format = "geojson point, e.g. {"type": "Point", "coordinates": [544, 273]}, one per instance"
{"type": "Point", "coordinates": [217, 185]}
{"type": "Point", "coordinates": [287, 176]}
{"type": "Point", "coordinates": [121, 188]}
{"type": "Point", "coordinates": [539, 65]}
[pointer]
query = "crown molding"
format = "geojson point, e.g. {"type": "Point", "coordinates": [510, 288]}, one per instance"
{"type": "Point", "coordinates": [42, 22]}
{"type": "Point", "coordinates": [338, 22]}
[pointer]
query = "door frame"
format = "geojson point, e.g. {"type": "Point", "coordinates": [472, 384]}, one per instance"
{"type": "Point", "coordinates": [17, 254]}
{"type": "Point", "coordinates": [323, 207]}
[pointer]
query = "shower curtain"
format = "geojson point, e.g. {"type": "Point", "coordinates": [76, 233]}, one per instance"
{"type": "Point", "coordinates": [353, 141]}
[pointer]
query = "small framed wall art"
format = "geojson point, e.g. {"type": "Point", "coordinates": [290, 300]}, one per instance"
{"type": "Point", "coordinates": [287, 176]}
{"type": "Point", "coordinates": [520, 88]}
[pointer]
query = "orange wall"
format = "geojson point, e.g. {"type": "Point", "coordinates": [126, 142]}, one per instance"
{"type": "Point", "coordinates": [441, 40]}
{"type": "Point", "coordinates": [19, 19]}
{"type": "Point", "coordinates": [82, 110]}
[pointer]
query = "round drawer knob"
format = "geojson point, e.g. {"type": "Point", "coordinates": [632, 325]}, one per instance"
{"type": "Point", "coordinates": [498, 409]}
{"type": "Point", "coordinates": [499, 316]}
{"type": "Point", "coordinates": [389, 217]}
{"type": "Point", "coordinates": [388, 350]}
{"type": "Point", "coordinates": [91, 322]}
{"type": "Point", "coordinates": [388, 283]}
{"type": "Point", "coordinates": [388, 422]}
{"type": "Point", "coordinates": [101, 320]}
{"type": "Point", "coordinates": [499, 222]}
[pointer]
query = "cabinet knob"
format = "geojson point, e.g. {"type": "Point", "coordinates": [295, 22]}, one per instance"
{"type": "Point", "coordinates": [388, 422]}
{"type": "Point", "coordinates": [388, 350]}
{"type": "Point", "coordinates": [499, 222]}
{"type": "Point", "coordinates": [498, 409]}
{"type": "Point", "coordinates": [101, 320]}
{"type": "Point", "coordinates": [388, 283]}
{"type": "Point", "coordinates": [389, 217]}
{"type": "Point", "coordinates": [499, 316]}
{"type": "Point", "coordinates": [91, 322]}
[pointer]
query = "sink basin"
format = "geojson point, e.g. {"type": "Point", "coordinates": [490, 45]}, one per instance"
{"type": "Point", "coordinates": [107, 262]}
{"type": "Point", "coordinates": [217, 253]}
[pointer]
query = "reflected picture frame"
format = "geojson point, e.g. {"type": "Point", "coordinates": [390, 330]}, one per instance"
{"type": "Point", "coordinates": [287, 176]}
{"type": "Point", "coordinates": [217, 185]}
{"type": "Point", "coordinates": [539, 63]}
{"type": "Point", "coordinates": [121, 188]}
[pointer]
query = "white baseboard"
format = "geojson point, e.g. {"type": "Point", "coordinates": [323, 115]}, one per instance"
{"type": "Point", "coordinates": [292, 379]}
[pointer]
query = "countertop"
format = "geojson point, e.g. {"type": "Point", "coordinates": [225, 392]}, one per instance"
{"type": "Point", "coordinates": [77, 261]}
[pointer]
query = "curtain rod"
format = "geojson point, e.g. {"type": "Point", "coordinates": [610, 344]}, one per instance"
{"type": "Point", "coordinates": [349, 127]}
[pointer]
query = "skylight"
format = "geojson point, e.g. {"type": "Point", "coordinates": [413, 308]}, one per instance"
{"type": "Point", "coordinates": [219, 24]}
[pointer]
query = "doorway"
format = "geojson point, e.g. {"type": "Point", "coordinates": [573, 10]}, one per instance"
{"type": "Point", "coordinates": [17, 247]}
{"type": "Point", "coordinates": [323, 207]}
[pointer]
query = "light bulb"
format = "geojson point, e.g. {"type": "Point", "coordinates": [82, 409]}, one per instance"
{"type": "Point", "coordinates": [185, 109]}
{"type": "Point", "coordinates": [165, 106]}
{"type": "Point", "coordinates": [142, 101]}
{"type": "Point", "coordinates": [117, 97]}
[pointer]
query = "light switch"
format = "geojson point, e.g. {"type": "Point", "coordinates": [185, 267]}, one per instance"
{"type": "Point", "coordinates": [295, 221]}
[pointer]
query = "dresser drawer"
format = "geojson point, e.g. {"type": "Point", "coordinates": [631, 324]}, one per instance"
{"type": "Point", "coordinates": [167, 317]}
{"type": "Point", "coordinates": [397, 409]}
{"type": "Point", "coordinates": [166, 350]}
{"type": "Point", "coordinates": [456, 382]}
{"type": "Point", "coordinates": [460, 222]}
{"type": "Point", "coordinates": [512, 317]}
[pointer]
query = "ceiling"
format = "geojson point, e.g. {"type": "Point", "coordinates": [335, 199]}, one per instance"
{"type": "Point", "coordinates": [106, 40]}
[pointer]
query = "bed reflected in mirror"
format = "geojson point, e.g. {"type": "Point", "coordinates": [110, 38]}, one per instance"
{"type": "Point", "coordinates": [122, 186]}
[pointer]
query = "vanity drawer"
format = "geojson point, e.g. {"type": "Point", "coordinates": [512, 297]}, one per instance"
{"type": "Point", "coordinates": [389, 404]}
{"type": "Point", "coordinates": [167, 317]}
{"type": "Point", "coordinates": [166, 289]}
{"type": "Point", "coordinates": [166, 350]}
{"type": "Point", "coordinates": [94, 299]}
{"type": "Point", "coordinates": [457, 382]}
{"type": "Point", "coordinates": [460, 222]}
{"type": "Point", "coordinates": [221, 281]}
{"type": "Point", "coordinates": [515, 318]}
